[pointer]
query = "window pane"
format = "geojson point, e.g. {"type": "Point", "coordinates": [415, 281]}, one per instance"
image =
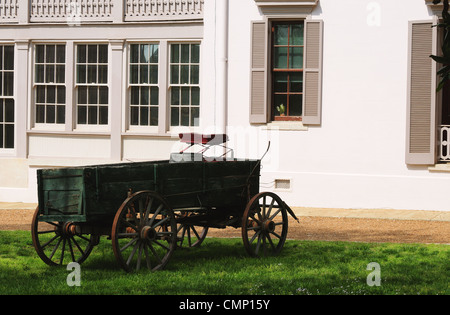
{"type": "Point", "coordinates": [50, 53]}
{"type": "Point", "coordinates": [184, 116]}
{"type": "Point", "coordinates": [280, 58]}
{"type": "Point", "coordinates": [103, 53]}
{"type": "Point", "coordinates": [280, 99]}
{"type": "Point", "coordinates": [154, 51]}
{"type": "Point", "coordinates": [1, 109]}
{"type": "Point", "coordinates": [40, 94]}
{"type": "Point", "coordinates": [134, 53]}
{"type": "Point", "coordinates": [82, 114]}
{"type": "Point", "coordinates": [81, 53]}
{"type": "Point", "coordinates": [81, 74]}
{"type": "Point", "coordinates": [296, 82]}
{"type": "Point", "coordinates": [60, 74]}
{"type": "Point", "coordinates": [60, 54]}
{"type": "Point", "coordinates": [154, 95]}
{"type": "Point", "coordinates": [153, 116]}
{"type": "Point", "coordinates": [174, 53]}
{"type": "Point", "coordinates": [194, 75]}
{"type": "Point", "coordinates": [92, 53]}
{"type": "Point", "coordinates": [50, 114]}
{"type": "Point", "coordinates": [195, 114]}
{"type": "Point", "coordinates": [92, 95]}
{"type": "Point", "coordinates": [144, 116]}
{"type": "Point", "coordinates": [174, 116]}
{"type": "Point", "coordinates": [297, 34]}
{"type": "Point", "coordinates": [143, 74]}
{"type": "Point", "coordinates": [185, 91]}
{"type": "Point", "coordinates": [1, 85]}
{"type": "Point", "coordinates": [103, 74]}
{"type": "Point", "coordinates": [92, 74]}
{"type": "Point", "coordinates": [296, 58]}
{"type": "Point", "coordinates": [184, 75]}
{"type": "Point", "coordinates": [1, 135]}
{"type": "Point", "coordinates": [134, 115]}
{"type": "Point", "coordinates": [145, 54]}
{"type": "Point", "coordinates": [61, 95]}
{"type": "Point", "coordinates": [295, 105]}
{"type": "Point", "coordinates": [39, 74]}
{"type": "Point", "coordinates": [40, 53]}
{"type": "Point", "coordinates": [134, 97]}
{"type": "Point", "coordinates": [9, 110]}
{"type": "Point", "coordinates": [174, 75]}
{"type": "Point", "coordinates": [82, 95]}
{"type": "Point", "coordinates": [185, 53]}
{"type": "Point", "coordinates": [134, 74]}
{"type": "Point", "coordinates": [175, 96]}
{"type": "Point", "coordinates": [103, 95]}
{"type": "Point", "coordinates": [145, 96]}
{"type": "Point", "coordinates": [154, 74]}
{"type": "Point", "coordinates": [280, 82]}
{"type": "Point", "coordinates": [195, 96]}
{"type": "Point", "coordinates": [40, 113]}
{"type": "Point", "coordinates": [92, 115]}
{"type": "Point", "coordinates": [8, 84]}
{"type": "Point", "coordinates": [51, 94]}
{"type": "Point", "coordinates": [60, 114]}
{"type": "Point", "coordinates": [281, 34]}
{"type": "Point", "coordinates": [9, 136]}
{"type": "Point", "coordinates": [195, 53]}
{"type": "Point", "coordinates": [103, 119]}
{"type": "Point", "coordinates": [50, 74]}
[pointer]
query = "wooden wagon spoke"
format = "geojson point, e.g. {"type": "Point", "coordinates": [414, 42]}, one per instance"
{"type": "Point", "coordinates": [62, 251]}
{"type": "Point", "coordinates": [71, 249]}
{"type": "Point", "coordinates": [133, 252]}
{"type": "Point", "coordinates": [270, 208]}
{"type": "Point", "coordinates": [154, 252]}
{"type": "Point", "coordinates": [128, 244]}
{"type": "Point", "coordinates": [156, 214]}
{"type": "Point", "coordinates": [275, 214]}
{"type": "Point", "coordinates": [77, 245]}
{"type": "Point", "coordinates": [147, 256]}
{"type": "Point", "coordinates": [147, 210]}
{"type": "Point", "coordinates": [161, 222]}
{"type": "Point", "coordinates": [162, 245]}
{"type": "Point", "coordinates": [55, 248]}
{"type": "Point", "coordinates": [50, 241]}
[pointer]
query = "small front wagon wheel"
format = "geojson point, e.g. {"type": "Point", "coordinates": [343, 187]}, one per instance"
{"type": "Point", "coordinates": [144, 232]}
{"type": "Point", "coordinates": [264, 225]}
{"type": "Point", "coordinates": [58, 243]}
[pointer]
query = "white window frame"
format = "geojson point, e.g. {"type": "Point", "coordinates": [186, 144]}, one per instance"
{"type": "Point", "coordinates": [180, 128]}
{"type": "Point", "coordinates": [91, 127]}
{"type": "Point", "coordinates": [144, 129]}
{"type": "Point", "coordinates": [2, 72]}
{"type": "Point", "coordinates": [46, 125]}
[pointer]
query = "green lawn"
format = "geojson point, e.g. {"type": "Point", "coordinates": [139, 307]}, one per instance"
{"type": "Point", "coordinates": [221, 266]}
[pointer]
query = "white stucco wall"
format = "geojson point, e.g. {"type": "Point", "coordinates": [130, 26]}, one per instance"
{"type": "Point", "coordinates": [355, 158]}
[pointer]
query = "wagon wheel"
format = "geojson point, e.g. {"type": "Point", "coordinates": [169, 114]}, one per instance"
{"type": "Point", "coordinates": [57, 243]}
{"type": "Point", "coordinates": [195, 235]}
{"type": "Point", "coordinates": [144, 232]}
{"type": "Point", "coordinates": [264, 231]}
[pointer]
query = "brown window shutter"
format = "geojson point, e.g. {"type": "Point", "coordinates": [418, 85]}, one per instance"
{"type": "Point", "coordinates": [421, 112]}
{"type": "Point", "coordinates": [312, 70]}
{"type": "Point", "coordinates": [258, 77]}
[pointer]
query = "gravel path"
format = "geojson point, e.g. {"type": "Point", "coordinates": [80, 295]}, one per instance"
{"type": "Point", "coordinates": [312, 228]}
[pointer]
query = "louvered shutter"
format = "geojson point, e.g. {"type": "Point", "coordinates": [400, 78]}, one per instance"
{"type": "Point", "coordinates": [421, 113]}
{"type": "Point", "coordinates": [258, 77]}
{"type": "Point", "coordinates": [312, 72]}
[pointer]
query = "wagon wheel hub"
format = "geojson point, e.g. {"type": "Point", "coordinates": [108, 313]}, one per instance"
{"type": "Point", "coordinates": [268, 226]}
{"type": "Point", "coordinates": [148, 232]}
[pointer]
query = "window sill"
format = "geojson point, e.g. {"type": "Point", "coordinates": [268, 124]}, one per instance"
{"type": "Point", "coordinates": [444, 167]}
{"type": "Point", "coordinates": [286, 125]}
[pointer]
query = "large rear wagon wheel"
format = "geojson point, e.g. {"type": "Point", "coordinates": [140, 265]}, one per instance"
{"type": "Point", "coordinates": [264, 225]}
{"type": "Point", "coordinates": [58, 243]}
{"type": "Point", "coordinates": [188, 235]}
{"type": "Point", "coordinates": [144, 232]}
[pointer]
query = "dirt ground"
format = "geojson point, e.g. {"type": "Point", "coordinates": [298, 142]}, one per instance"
{"type": "Point", "coordinates": [312, 228]}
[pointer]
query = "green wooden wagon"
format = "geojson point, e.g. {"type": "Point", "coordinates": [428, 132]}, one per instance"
{"type": "Point", "coordinates": [148, 209]}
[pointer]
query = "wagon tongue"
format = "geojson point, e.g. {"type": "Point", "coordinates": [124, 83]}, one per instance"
{"type": "Point", "coordinates": [289, 210]}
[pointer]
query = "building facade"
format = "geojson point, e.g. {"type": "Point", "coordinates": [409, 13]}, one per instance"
{"type": "Point", "coordinates": [344, 91]}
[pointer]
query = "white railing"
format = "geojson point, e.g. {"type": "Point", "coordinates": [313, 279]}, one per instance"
{"type": "Point", "coordinates": [91, 11]}
{"type": "Point", "coordinates": [163, 9]}
{"type": "Point", "coordinates": [8, 10]}
{"type": "Point", "coordinates": [444, 148]}
{"type": "Point", "coordinates": [70, 10]}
